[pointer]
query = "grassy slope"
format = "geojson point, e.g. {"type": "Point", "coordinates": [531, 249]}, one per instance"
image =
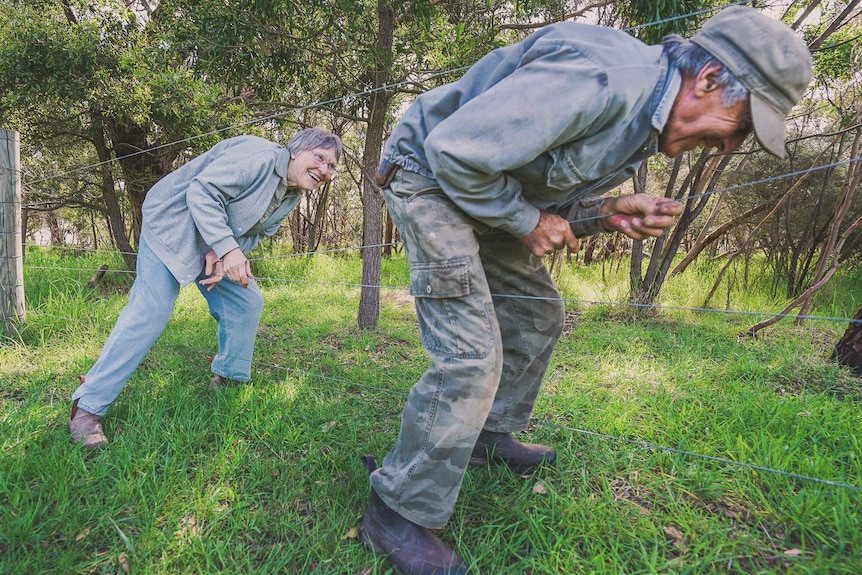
{"type": "Point", "coordinates": [266, 477]}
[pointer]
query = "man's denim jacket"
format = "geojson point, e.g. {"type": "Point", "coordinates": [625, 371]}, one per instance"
{"type": "Point", "coordinates": [548, 123]}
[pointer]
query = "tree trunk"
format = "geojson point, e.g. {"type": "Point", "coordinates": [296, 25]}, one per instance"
{"type": "Point", "coordinates": [315, 229]}
{"type": "Point", "coordinates": [372, 202]}
{"type": "Point", "coordinates": [140, 169]}
{"type": "Point", "coordinates": [116, 221]}
{"type": "Point", "coordinates": [389, 234]}
{"type": "Point", "coordinates": [848, 350]}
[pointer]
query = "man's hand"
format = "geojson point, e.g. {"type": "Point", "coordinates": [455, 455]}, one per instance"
{"type": "Point", "coordinates": [550, 234]}
{"type": "Point", "coordinates": [214, 268]}
{"type": "Point", "coordinates": [639, 215]}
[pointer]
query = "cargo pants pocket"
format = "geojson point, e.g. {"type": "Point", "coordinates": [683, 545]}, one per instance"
{"type": "Point", "coordinates": [453, 319]}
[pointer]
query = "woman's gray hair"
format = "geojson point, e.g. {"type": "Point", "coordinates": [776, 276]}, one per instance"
{"type": "Point", "coordinates": [312, 138]}
{"type": "Point", "coordinates": [690, 58]}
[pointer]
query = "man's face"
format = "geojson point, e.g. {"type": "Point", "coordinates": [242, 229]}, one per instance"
{"type": "Point", "coordinates": [311, 168]}
{"type": "Point", "coordinates": [698, 119]}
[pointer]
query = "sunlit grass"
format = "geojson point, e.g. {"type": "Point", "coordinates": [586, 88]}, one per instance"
{"type": "Point", "coordinates": [684, 447]}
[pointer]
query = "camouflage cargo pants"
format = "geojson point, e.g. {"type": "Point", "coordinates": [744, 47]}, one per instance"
{"type": "Point", "coordinates": [488, 330]}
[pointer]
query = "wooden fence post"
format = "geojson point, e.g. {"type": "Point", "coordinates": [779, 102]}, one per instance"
{"type": "Point", "coordinates": [12, 312]}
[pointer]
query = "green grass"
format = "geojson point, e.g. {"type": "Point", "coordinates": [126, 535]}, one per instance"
{"type": "Point", "coordinates": [648, 417]}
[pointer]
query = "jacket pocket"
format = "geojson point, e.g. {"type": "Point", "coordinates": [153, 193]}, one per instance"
{"type": "Point", "coordinates": [561, 173]}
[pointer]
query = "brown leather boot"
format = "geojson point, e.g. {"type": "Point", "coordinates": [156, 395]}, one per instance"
{"type": "Point", "coordinates": [412, 550]}
{"type": "Point", "coordinates": [492, 447]}
{"type": "Point", "coordinates": [86, 428]}
{"type": "Point", "coordinates": [218, 382]}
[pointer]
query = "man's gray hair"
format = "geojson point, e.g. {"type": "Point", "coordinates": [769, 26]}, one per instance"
{"type": "Point", "coordinates": [312, 138]}
{"type": "Point", "coordinates": [690, 58]}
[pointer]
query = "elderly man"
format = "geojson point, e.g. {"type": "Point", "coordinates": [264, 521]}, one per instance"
{"type": "Point", "coordinates": [199, 222]}
{"type": "Point", "coordinates": [487, 174]}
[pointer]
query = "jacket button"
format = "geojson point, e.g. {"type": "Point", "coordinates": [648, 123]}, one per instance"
{"type": "Point", "coordinates": [428, 289]}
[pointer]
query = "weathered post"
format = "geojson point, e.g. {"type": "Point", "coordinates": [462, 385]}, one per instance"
{"type": "Point", "coordinates": [12, 312]}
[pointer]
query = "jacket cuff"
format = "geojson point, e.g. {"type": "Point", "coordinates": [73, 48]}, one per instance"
{"type": "Point", "coordinates": [225, 245]}
{"type": "Point", "coordinates": [585, 216]}
{"type": "Point", "coordinates": [524, 223]}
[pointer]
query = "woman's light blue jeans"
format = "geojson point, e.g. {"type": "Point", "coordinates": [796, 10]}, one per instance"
{"type": "Point", "coordinates": [151, 304]}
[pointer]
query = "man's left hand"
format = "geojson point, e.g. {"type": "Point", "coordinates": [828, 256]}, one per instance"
{"type": "Point", "coordinates": [639, 215]}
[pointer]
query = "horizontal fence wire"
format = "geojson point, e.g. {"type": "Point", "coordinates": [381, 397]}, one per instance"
{"type": "Point", "coordinates": [345, 284]}
{"type": "Point", "coordinates": [645, 445]}
{"type": "Point", "coordinates": [797, 173]}
{"type": "Point", "coordinates": [628, 441]}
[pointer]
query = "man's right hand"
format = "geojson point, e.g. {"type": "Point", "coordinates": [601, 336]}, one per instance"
{"type": "Point", "coordinates": [550, 234]}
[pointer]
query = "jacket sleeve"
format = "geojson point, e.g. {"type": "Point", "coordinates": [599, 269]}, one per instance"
{"type": "Point", "coordinates": [554, 97]}
{"type": "Point", "coordinates": [584, 215]}
{"type": "Point", "coordinates": [207, 199]}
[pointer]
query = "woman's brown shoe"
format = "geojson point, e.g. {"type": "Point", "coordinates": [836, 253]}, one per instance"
{"type": "Point", "coordinates": [86, 428]}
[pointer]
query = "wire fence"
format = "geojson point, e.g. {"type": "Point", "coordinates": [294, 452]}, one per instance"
{"type": "Point", "coordinates": [347, 284]}
{"type": "Point", "coordinates": [637, 443]}
{"type": "Point", "coordinates": [640, 444]}
{"type": "Point", "coordinates": [616, 439]}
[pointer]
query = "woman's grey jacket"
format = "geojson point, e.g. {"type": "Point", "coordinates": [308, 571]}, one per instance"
{"type": "Point", "coordinates": [231, 196]}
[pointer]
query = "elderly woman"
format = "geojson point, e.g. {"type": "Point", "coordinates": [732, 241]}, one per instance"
{"type": "Point", "coordinates": [198, 223]}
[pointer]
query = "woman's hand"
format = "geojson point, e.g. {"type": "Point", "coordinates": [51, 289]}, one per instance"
{"type": "Point", "coordinates": [214, 268]}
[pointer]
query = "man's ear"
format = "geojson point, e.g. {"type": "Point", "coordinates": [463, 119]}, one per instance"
{"type": "Point", "coordinates": [706, 80]}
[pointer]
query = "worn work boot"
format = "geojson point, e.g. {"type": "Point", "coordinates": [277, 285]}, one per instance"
{"type": "Point", "coordinates": [492, 447]}
{"type": "Point", "coordinates": [86, 428]}
{"type": "Point", "coordinates": [412, 549]}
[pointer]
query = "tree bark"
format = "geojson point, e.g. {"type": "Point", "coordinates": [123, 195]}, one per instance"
{"type": "Point", "coordinates": [116, 221]}
{"type": "Point", "coordinates": [372, 202]}
{"type": "Point", "coordinates": [140, 169]}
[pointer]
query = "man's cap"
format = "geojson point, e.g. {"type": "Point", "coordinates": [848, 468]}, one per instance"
{"type": "Point", "coordinates": [768, 58]}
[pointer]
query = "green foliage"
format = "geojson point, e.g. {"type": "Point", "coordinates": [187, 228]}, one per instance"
{"type": "Point", "coordinates": [45, 57]}
{"type": "Point", "coordinates": [654, 19]}
{"type": "Point", "coordinates": [839, 58]}
{"type": "Point", "coordinates": [249, 43]}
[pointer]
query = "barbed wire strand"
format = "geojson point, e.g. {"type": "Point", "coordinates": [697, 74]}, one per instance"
{"type": "Point", "coordinates": [793, 174]}
{"type": "Point", "coordinates": [651, 306]}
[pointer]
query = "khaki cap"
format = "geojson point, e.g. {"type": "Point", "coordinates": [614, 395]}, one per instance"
{"type": "Point", "coordinates": [771, 61]}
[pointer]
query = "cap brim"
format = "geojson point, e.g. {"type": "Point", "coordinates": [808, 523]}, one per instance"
{"type": "Point", "coordinates": [768, 126]}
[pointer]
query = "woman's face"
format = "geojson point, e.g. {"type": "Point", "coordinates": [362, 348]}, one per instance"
{"type": "Point", "coordinates": [311, 168]}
